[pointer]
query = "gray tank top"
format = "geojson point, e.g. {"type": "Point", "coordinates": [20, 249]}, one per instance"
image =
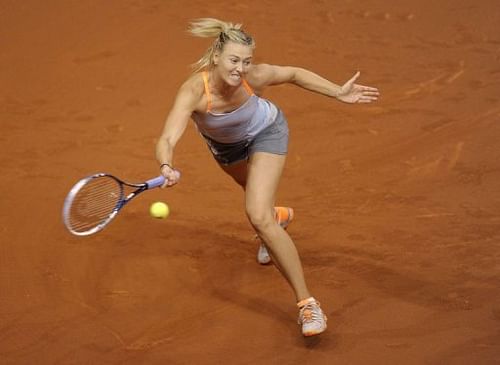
{"type": "Point", "coordinates": [244, 123]}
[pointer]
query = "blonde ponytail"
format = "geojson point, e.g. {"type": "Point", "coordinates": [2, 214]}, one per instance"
{"type": "Point", "coordinates": [222, 32]}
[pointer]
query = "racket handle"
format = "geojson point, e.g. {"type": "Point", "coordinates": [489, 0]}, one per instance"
{"type": "Point", "coordinates": [159, 180]}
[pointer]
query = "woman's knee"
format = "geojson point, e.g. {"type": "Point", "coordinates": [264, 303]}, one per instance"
{"type": "Point", "coordinates": [260, 218]}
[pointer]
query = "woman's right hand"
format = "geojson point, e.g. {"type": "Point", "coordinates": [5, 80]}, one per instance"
{"type": "Point", "coordinates": [171, 175]}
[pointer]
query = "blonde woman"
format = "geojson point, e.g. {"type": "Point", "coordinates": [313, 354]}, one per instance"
{"type": "Point", "coordinates": [248, 137]}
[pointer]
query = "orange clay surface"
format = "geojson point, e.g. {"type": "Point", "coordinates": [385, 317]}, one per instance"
{"type": "Point", "coordinates": [397, 204]}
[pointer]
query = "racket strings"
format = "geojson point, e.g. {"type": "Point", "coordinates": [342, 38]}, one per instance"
{"type": "Point", "coordinates": [94, 203]}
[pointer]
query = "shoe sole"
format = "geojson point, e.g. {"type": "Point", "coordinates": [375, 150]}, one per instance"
{"type": "Point", "coordinates": [310, 334]}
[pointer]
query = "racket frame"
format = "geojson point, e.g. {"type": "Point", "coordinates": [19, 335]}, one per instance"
{"type": "Point", "coordinates": [68, 202]}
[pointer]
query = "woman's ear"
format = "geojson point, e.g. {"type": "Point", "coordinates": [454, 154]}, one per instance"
{"type": "Point", "coordinates": [216, 58]}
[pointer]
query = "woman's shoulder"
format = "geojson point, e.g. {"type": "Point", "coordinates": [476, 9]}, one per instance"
{"type": "Point", "coordinates": [263, 75]}
{"type": "Point", "coordinates": [194, 84]}
{"type": "Point", "coordinates": [260, 75]}
{"type": "Point", "coordinates": [257, 71]}
{"type": "Point", "coordinates": [193, 90]}
{"type": "Point", "coordinates": [256, 77]}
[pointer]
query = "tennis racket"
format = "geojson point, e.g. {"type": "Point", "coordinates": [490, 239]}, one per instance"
{"type": "Point", "coordinates": [95, 200]}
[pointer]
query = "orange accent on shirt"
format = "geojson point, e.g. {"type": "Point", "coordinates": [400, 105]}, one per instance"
{"type": "Point", "coordinates": [247, 87]}
{"type": "Point", "coordinates": [207, 90]}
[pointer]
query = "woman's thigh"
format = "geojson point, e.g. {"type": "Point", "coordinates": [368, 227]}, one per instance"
{"type": "Point", "coordinates": [263, 177]}
{"type": "Point", "coordinates": [259, 177]}
{"type": "Point", "coordinates": [238, 171]}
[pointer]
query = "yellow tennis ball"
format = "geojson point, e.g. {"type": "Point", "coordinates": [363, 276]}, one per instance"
{"type": "Point", "coordinates": [159, 210]}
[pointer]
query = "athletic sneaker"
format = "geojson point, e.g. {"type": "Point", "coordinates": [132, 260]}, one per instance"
{"type": "Point", "coordinates": [311, 317]}
{"type": "Point", "coordinates": [262, 255]}
{"type": "Point", "coordinates": [283, 215]}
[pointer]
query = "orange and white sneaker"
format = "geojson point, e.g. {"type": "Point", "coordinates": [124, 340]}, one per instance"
{"type": "Point", "coordinates": [283, 215]}
{"type": "Point", "coordinates": [311, 317]}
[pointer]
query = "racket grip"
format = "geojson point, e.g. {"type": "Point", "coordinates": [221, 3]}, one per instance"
{"type": "Point", "coordinates": [159, 180]}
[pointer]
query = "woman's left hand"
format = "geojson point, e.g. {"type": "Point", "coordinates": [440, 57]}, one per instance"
{"type": "Point", "coordinates": [353, 93]}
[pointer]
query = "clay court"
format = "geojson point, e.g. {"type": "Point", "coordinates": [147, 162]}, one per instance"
{"type": "Point", "coordinates": [397, 203]}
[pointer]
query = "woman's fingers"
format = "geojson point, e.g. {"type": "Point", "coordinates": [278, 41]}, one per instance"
{"type": "Point", "coordinates": [367, 99]}
{"type": "Point", "coordinates": [355, 77]}
{"type": "Point", "coordinates": [171, 178]}
{"type": "Point", "coordinates": [368, 94]}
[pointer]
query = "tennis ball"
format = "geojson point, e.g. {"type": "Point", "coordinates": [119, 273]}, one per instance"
{"type": "Point", "coordinates": [159, 210]}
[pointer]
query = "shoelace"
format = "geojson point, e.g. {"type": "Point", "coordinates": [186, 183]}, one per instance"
{"type": "Point", "coordinates": [310, 313]}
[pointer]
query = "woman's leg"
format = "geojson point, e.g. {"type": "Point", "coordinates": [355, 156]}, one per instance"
{"type": "Point", "coordinates": [260, 178]}
{"type": "Point", "coordinates": [237, 171]}
{"type": "Point", "coordinates": [263, 176]}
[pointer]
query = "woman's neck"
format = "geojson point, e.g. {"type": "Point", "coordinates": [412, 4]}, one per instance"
{"type": "Point", "coordinates": [218, 84]}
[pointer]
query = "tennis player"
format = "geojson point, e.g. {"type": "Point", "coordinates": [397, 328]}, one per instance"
{"type": "Point", "coordinates": [248, 137]}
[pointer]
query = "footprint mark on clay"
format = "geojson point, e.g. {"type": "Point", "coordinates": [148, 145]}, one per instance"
{"type": "Point", "coordinates": [381, 16]}
{"type": "Point", "coordinates": [51, 119]}
{"type": "Point", "coordinates": [84, 118]}
{"type": "Point", "coordinates": [437, 125]}
{"type": "Point", "coordinates": [106, 87]}
{"type": "Point", "coordinates": [114, 128]}
{"type": "Point", "coordinates": [133, 103]}
{"type": "Point", "coordinates": [455, 155]}
{"type": "Point", "coordinates": [442, 164]}
{"type": "Point", "coordinates": [146, 7]}
{"type": "Point", "coordinates": [15, 106]}
{"type": "Point", "coordinates": [94, 57]}
{"type": "Point", "coordinates": [436, 83]}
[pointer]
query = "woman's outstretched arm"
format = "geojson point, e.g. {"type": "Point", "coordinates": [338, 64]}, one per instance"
{"type": "Point", "coordinates": [263, 75]}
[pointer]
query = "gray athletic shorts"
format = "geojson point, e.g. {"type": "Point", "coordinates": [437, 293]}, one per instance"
{"type": "Point", "coordinates": [272, 139]}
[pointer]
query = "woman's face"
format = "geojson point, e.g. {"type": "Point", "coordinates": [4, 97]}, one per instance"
{"type": "Point", "coordinates": [233, 62]}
